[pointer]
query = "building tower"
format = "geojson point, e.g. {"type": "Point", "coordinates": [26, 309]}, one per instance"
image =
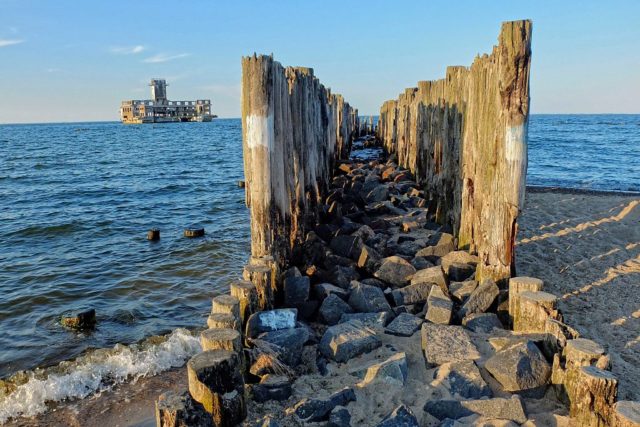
{"type": "Point", "coordinates": [159, 91]}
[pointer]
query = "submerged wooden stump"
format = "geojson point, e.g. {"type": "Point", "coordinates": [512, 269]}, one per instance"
{"type": "Point", "coordinates": [153, 234]}
{"type": "Point", "coordinates": [215, 381]}
{"type": "Point", "coordinates": [192, 232]}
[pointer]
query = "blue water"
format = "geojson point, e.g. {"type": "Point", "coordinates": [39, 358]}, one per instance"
{"type": "Point", "coordinates": [596, 152]}
{"type": "Point", "coordinates": [76, 201]}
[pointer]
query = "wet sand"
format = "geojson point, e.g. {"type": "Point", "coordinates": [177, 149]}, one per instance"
{"type": "Point", "coordinates": [586, 248]}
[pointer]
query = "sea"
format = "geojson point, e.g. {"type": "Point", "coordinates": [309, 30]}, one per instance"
{"type": "Point", "coordinates": [77, 200]}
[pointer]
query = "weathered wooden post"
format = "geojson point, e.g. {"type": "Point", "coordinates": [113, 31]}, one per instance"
{"type": "Point", "coordinates": [247, 294]}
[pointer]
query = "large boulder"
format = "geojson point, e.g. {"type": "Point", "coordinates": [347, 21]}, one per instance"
{"type": "Point", "coordinates": [323, 290]}
{"type": "Point", "coordinates": [393, 371]}
{"type": "Point", "coordinates": [462, 290]}
{"type": "Point", "coordinates": [480, 299]}
{"type": "Point", "coordinates": [395, 270]}
{"type": "Point", "coordinates": [289, 343]}
{"type": "Point", "coordinates": [314, 410]}
{"type": "Point", "coordinates": [433, 275]}
{"type": "Point", "coordinates": [271, 320]}
{"type": "Point", "coordinates": [271, 387]}
{"type": "Point", "coordinates": [368, 299]}
{"type": "Point", "coordinates": [457, 257]}
{"type": "Point", "coordinates": [519, 367]}
{"type": "Point", "coordinates": [500, 408]}
{"type": "Point", "coordinates": [439, 245]}
{"type": "Point", "coordinates": [412, 294]}
{"type": "Point", "coordinates": [296, 290]}
{"type": "Point", "coordinates": [369, 259]}
{"type": "Point", "coordinates": [402, 416]}
{"type": "Point", "coordinates": [372, 320]}
{"type": "Point", "coordinates": [347, 246]}
{"type": "Point", "coordinates": [463, 379]}
{"type": "Point", "coordinates": [439, 307]}
{"type": "Point", "coordinates": [347, 340]}
{"type": "Point", "coordinates": [446, 343]}
{"type": "Point", "coordinates": [332, 309]}
{"type": "Point", "coordinates": [482, 322]}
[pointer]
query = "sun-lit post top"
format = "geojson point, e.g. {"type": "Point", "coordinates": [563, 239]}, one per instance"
{"type": "Point", "coordinates": [160, 110]}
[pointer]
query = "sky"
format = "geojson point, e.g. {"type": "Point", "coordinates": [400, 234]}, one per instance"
{"type": "Point", "coordinates": [77, 60]}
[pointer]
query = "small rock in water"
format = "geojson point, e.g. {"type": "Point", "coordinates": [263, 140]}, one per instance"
{"type": "Point", "coordinates": [192, 232]}
{"type": "Point", "coordinates": [83, 320]}
{"type": "Point", "coordinates": [241, 184]}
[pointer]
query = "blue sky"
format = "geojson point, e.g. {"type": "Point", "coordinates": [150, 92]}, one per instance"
{"type": "Point", "coordinates": [76, 60]}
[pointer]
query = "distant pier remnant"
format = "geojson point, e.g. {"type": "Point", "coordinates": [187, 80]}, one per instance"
{"type": "Point", "coordinates": [465, 139]}
{"type": "Point", "coordinates": [153, 234]}
{"type": "Point", "coordinates": [193, 232]}
{"type": "Point", "coordinates": [294, 131]}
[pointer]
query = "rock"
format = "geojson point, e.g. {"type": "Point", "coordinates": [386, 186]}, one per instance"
{"type": "Point", "coordinates": [271, 320]}
{"type": "Point", "coordinates": [369, 259]}
{"type": "Point", "coordinates": [460, 272]}
{"type": "Point", "coordinates": [346, 246]}
{"type": "Point", "coordinates": [291, 341]}
{"type": "Point", "coordinates": [507, 409]}
{"type": "Point", "coordinates": [332, 309]}
{"type": "Point", "coordinates": [627, 414]}
{"type": "Point", "coordinates": [192, 232]}
{"type": "Point", "coordinates": [480, 299]}
{"type": "Point", "coordinates": [323, 290]}
{"type": "Point", "coordinates": [265, 363]}
{"type": "Point", "coordinates": [412, 294]}
{"type": "Point", "coordinates": [433, 275]}
{"type": "Point", "coordinates": [457, 257]}
{"type": "Point", "coordinates": [266, 421]}
{"type": "Point", "coordinates": [368, 299]}
{"type": "Point", "coordinates": [365, 233]}
{"type": "Point", "coordinates": [482, 322]}
{"type": "Point", "coordinates": [374, 282]}
{"type": "Point", "coordinates": [347, 340]}
{"type": "Point", "coordinates": [82, 320]}
{"type": "Point", "coordinates": [371, 320]}
{"type": "Point", "coordinates": [395, 270]}
{"type": "Point", "coordinates": [440, 244]}
{"type": "Point", "coordinates": [296, 290]}
{"type": "Point", "coordinates": [378, 194]}
{"type": "Point", "coordinates": [519, 367]}
{"type": "Point", "coordinates": [271, 387]}
{"type": "Point", "coordinates": [439, 307]}
{"type": "Point", "coordinates": [339, 417]}
{"type": "Point", "coordinates": [445, 343]}
{"type": "Point", "coordinates": [342, 276]}
{"type": "Point", "coordinates": [402, 416]}
{"type": "Point", "coordinates": [462, 290]}
{"type": "Point", "coordinates": [314, 410]}
{"type": "Point", "coordinates": [420, 263]}
{"type": "Point", "coordinates": [391, 371]}
{"type": "Point", "coordinates": [404, 325]}
{"type": "Point", "coordinates": [463, 379]}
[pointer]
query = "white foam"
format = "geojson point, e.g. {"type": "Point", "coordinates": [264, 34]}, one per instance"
{"type": "Point", "coordinates": [92, 371]}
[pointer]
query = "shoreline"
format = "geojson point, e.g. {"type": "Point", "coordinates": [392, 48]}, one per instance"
{"type": "Point", "coordinates": [586, 191]}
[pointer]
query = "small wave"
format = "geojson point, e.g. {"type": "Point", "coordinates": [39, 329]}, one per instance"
{"type": "Point", "coordinates": [49, 230]}
{"type": "Point", "coordinates": [29, 393]}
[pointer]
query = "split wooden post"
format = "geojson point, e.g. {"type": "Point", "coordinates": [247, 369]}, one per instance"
{"type": "Point", "coordinates": [247, 294]}
{"type": "Point", "coordinates": [226, 304]}
{"type": "Point", "coordinates": [532, 310]}
{"type": "Point", "coordinates": [223, 320]}
{"type": "Point", "coordinates": [216, 382]}
{"type": "Point", "coordinates": [262, 277]}
{"type": "Point", "coordinates": [518, 285]}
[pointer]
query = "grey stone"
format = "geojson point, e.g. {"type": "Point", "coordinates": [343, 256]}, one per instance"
{"type": "Point", "coordinates": [342, 276]}
{"type": "Point", "coordinates": [391, 371]}
{"type": "Point", "coordinates": [271, 387]}
{"type": "Point", "coordinates": [332, 309]}
{"type": "Point", "coordinates": [460, 272]}
{"type": "Point", "coordinates": [378, 194]}
{"type": "Point", "coordinates": [347, 340]}
{"type": "Point", "coordinates": [291, 341]}
{"type": "Point", "coordinates": [501, 408]}
{"type": "Point", "coordinates": [446, 343]}
{"type": "Point", "coordinates": [314, 410]}
{"type": "Point", "coordinates": [296, 290]}
{"type": "Point", "coordinates": [457, 257]}
{"type": "Point", "coordinates": [402, 416]}
{"type": "Point", "coordinates": [374, 282]}
{"type": "Point", "coordinates": [420, 263]}
{"type": "Point", "coordinates": [271, 320]}
{"type": "Point", "coordinates": [266, 421]}
{"type": "Point", "coordinates": [462, 290]}
{"type": "Point", "coordinates": [323, 290]}
{"type": "Point", "coordinates": [404, 325]}
{"type": "Point", "coordinates": [482, 322]}
{"type": "Point", "coordinates": [371, 320]}
{"type": "Point", "coordinates": [395, 270]}
{"type": "Point", "coordinates": [412, 294]}
{"type": "Point", "coordinates": [433, 275]}
{"type": "Point", "coordinates": [365, 233]}
{"type": "Point", "coordinates": [440, 244]}
{"type": "Point", "coordinates": [439, 307]}
{"type": "Point", "coordinates": [346, 246]}
{"type": "Point", "coordinates": [480, 299]}
{"type": "Point", "coordinates": [463, 379]}
{"type": "Point", "coordinates": [368, 299]}
{"type": "Point", "coordinates": [519, 367]}
{"type": "Point", "coordinates": [339, 417]}
{"type": "Point", "coordinates": [369, 259]}
{"type": "Point", "coordinates": [627, 413]}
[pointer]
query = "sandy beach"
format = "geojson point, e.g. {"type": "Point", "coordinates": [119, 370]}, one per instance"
{"type": "Point", "coordinates": [586, 248]}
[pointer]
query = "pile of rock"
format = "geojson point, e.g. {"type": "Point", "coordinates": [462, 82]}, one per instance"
{"type": "Point", "coordinates": [375, 270]}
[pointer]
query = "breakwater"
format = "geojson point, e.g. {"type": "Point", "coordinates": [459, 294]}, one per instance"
{"type": "Point", "coordinates": [344, 264]}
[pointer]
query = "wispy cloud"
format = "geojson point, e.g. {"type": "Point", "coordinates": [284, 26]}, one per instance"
{"type": "Point", "coordinates": [163, 57]}
{"type": "Point", "coordinates": [127, 50]}
{"type": "Point", "coordinates": [10, 42]}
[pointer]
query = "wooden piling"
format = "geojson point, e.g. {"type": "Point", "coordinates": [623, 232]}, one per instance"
{"type": "Point", "coordinates": [247, 295]}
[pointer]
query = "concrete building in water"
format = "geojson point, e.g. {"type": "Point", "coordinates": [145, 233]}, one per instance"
{"type": "Point", "coordinates": [161, 110]}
